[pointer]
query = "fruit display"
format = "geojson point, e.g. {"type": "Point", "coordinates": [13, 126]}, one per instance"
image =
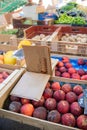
{"type": "Point", "coordinates": [58, 105]}
{"type": "Point", "coordinates": [7, 58]}
{"type": "Point", "coordinates": [71, 68]}
{"type": "Point", "coordinates": [3, 76]}
{"type": "Point", "coordinates": [78, 38]}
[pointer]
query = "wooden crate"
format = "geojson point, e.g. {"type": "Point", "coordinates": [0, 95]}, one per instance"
{"type": "Point", "coordinates": [46, 125]}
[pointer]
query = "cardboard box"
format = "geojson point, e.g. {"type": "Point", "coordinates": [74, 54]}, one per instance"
{"type": "Point", "coordinates": [43, 53]}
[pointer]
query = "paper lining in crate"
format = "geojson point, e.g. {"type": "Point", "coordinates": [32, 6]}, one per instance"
{"type": "Point", "coordinates": [71, 40]}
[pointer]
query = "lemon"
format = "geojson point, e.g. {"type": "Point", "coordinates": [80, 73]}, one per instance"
{"type": "Point", "coordinates": [24, 42]}
{"type": "Point", "coordinates": [9, 59]}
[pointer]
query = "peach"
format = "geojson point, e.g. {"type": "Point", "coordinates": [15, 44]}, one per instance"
{"type": "Point", "coordinates": [71, 97]}
{"type": "Point", "coordinates": [82, 122]}
{"type": "Point", "coordinates": [63, 106]}
{"type": "Point", "coordinates": [66, 75]}
{"type": "Point", "coordinates": [62, 69]}
{"type": "Point", "coordinates": [59, 95]}
{"type": "Point", "coordinates": [48, 85]}
{"type": "Point", "coordinates": [40, 112]}
{"type": "Point", "coordinates": [84, 77]}
{"type": "Point", "coordinates": [68, 119]}
{"type": "Point", "coordinates": [60, 64]}
{"type": "Point", "coordinates": [67, 88]}
{"type": "Point", "coordinates": [38, 103]}
{"type": "Point", "coordinates": [55, 86]}
{"type": "Point", "coordinates": [27, 109]}
{"type": "Point", "coordinates": [57, 73]}
{"type": "Point", "coordinates": [15, 106]}
{"type": "Point", "coordinates": [75, 109]}
{"type": "Point", "coordinates": [81, 61]}
{"type": "Point", "coordinates": [72, 70]}
{"type": "Point", "coordinates": [77, 89]}
{"type": "Point", "coordinates": [68, 65]}
{"type": "Point", "coordinates": [48, 92]}
{"type": "Point", "coordinates": [81, 72]}
{"type": "Point", "coordinates": [54, 116]}
{"type": "Point", "coordinates": [24, 101]}
{"type": "Point", "coordinates": [50, 103]}
{"type": "Point", "coordinates": [75, 76]}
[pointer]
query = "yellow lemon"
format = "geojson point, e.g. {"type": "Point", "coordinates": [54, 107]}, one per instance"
{"type": "Point", "coordinates": [24, 42]}
{"type": "Point", "coordinates": [9, 60]}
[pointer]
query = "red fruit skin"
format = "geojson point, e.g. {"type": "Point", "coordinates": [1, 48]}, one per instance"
{"type": "Point", "coordinates": [14, 98]}
{"type": "Point", "coordinates": [76, 76]}
{"type": "Point", "coordinates": [80, 95]}
{"type": "Point", "coordinates": [82, 122]}
{"type": "Point", "coordinates": [67, 88]}
{"type": "Point", "coordinates": [57, 73]}
{"type": "Point", "coordinates": [65, 59]}
{"type": "Point", "coordinates": [60, 64]}
{"type": "Point", "coordinates": [81, 72]}
{"type": "Point", "coordinates": [68, 119]}
{"type": "Point", "coordinates": [81, 61]}
{"type": "Point", "coordinates": [48, 85]}
{"type": "Point", "coordinates": [38, 103]}
{"type": "Point", "coordinates": [75, 109]}
{"type": "Point", "coordinates": [48, 93]}
{"type": "Point", "coordinates": [24, 101]}
{"type": "Point", "coordinates": [5, 74]}
{"type": "Point", "coordinates": [68, 65]}
{"type": "Point", "coordinates": [1, 76]}
{"type": "Point", "coordinates": [84, 77]}
{"type": "Point", "coordinates": [71, 97]}
{"type": "Point", "coordinates": [66, 75]}
{"type": "Point", "coordinates": [1, 80]}
{"type": "Point", "coordinates": [63, 106]}
{"type": "Point", "coordinates": [50, 103]}
{"type": "Point", "coordinates": [40, 112]}
{"type": "Point", "coordinates": [25, 109]}
{"type": "Point", "coordinates": [62, 69]}
{"type": "Point", "coordinates": [59, 95]}
{"type": "Point", "coordinates": [55, 86]}
{"type": "Point", "coordinates": [77, 89]}
{"type": "Point", "coordinates": [71, 70]}
{"type": "Point", "coordinates": [54, 116]}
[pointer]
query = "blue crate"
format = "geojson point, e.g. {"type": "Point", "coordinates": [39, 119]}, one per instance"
{"type": "Point", "coordinates": [46, 15]}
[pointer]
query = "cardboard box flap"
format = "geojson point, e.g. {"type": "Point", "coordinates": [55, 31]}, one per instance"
{"type": "Point", "coordinates": [31, 85]}
{"type": "Point", "coordinates": [38, 59]}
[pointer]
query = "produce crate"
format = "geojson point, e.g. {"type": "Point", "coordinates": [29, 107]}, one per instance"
{"type": "Point", "coordinates": [74, 62]}
{"type": "Point", "coordinates": [33, 31]}
{"type": "Point", "coordinates": [44, 124]}
{"type": "Point", "coordinates": [71, 47]}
